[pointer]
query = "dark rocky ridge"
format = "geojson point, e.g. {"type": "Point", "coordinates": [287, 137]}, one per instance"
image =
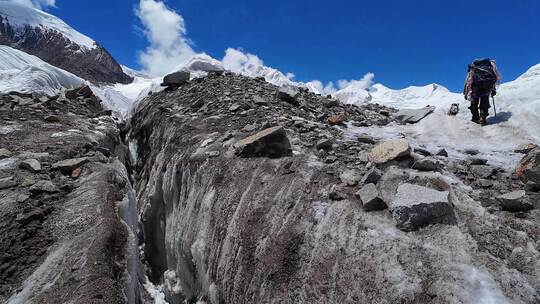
{"type": "Point", "coordinates": [95, 65]}
{"type": "Point", "coordinates": [227, 229]}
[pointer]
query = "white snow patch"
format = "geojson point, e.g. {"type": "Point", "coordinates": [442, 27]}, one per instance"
{"type": "Point", "coordinates": [113, 97]}
{"type": "Point", "coordinates": [65, 134]}
{"type": "Point", "coordinates": [4, 130]}
{"type": "Point", "coordinates": [483, 289]}
{"type": "Point", "coordinates": [133, 151]}
{"type": "Point", "coordinates": [156, 292]}
{"type": "Point", "coordinates": [319, 209]}
{"type": "Point", "coordinates": [8, 163]}
{"type": "Point", "coordinates": [172, 282]}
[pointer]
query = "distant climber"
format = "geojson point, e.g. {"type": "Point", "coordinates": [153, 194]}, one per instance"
{"type": "Point", "coordinates": [482, 79]}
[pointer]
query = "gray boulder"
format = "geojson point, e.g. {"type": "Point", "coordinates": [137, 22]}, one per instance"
{"type": "Point", "coordinates": [516, 201]}
{"type": "Point", "coordinates": [373, 176]}
{"type": "Point", "coordinates": [289, 95]}
{"type": "Point", "coordinates": [471, 152]}
{"type": "Point", "coordinates": [324, 143]}
{"type": "Point", "coordinates": [176, 79]}
{"type": "Point", "coordinates": [412, 116]}
{"type": "Point", "coordinates": [371, 198]}
{"type": "Point", "coordinates": [415, 207]}
{"type": "Point", "coordinates": [5, 153]}
{"type": "Point", "coordinates": [426, 164]}
{"type": "Point", "coordinates": [83, 91]}
{"type": "Point", "coordinates": [389, 150]}
{"type": "Point", "coordinates": [32, 165]}
{"type": "Point", "coordinates": [442, 152]}
{"type": "Point", "coordinates": [483, 171]}
{"type": "Point", "coordinates": [272, 142]}
{"type": "Point", "coordinates": [67, 166]}
{"type": "Point", "coordinates": [366, 139]}
{"type": "Point", "coordinates": [43, 187]}
{"type": "Point", "coordinates": [422, 152]}
{"type": "Point", "coordinates": [250, 127]}
{"type": "Point", "coordinates": [477, 162]}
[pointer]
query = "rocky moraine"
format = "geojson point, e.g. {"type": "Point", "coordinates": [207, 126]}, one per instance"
{"type": "Point", "coordinates": [234, 190]}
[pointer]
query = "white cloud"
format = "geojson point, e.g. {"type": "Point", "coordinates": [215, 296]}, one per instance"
{"type": "Point", "coordinates": [251, 65]}
{"type": "Point", "coordinates": [330, 88]}
{"type": "Point", "coordinates": [362, 84]}
{"type": "Point", "coordinates": [170, 48]}
{"type": "Point", "coordinates": [237, 61]}
{"type": "Point", "coordinates": [39, 4]}
{"type": "Point", "coordinates": [166, 32]}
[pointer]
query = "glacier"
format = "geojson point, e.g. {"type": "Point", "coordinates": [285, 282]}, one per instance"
{"type": "Point", "coordinates": [28, 74]}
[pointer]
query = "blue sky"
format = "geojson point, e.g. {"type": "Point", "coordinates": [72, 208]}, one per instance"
{"type": "Point", "coordinates": [404, 43]}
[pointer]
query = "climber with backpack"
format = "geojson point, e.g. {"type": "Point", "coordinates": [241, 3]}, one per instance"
{"type": "Point", "coordinates": [482, 79]}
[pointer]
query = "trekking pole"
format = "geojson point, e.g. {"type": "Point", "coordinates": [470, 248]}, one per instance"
{"type": "Point", "coordinates": [494, 106]}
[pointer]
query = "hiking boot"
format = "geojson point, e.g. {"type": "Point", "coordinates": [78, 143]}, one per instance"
{"type": "Point", "coordinates": [475, 120]}
{"type": "Point", "coordinates": [482, 121]}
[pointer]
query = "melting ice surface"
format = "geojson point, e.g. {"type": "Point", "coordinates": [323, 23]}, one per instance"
{"type": "Point", "coordinates": [483, 290]}
{"type": "Point", "coordinates": [155, 292]}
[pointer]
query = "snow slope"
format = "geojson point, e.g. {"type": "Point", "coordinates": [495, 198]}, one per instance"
{"type": "Point", "coordinates": [29, 74]}
{"type": "Point", "coordinates": [414, 97]}
{"type": "Point", "coordinates": [519, 102]}
{"type": "Point", "coordinates": [20, 16]}
{"type": "Point", "coordinates": [517, 121]}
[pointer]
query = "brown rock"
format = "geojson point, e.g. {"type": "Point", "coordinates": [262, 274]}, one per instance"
{"type": "Point", "coordinates": [337, 119]}
{"type": "Point", "coordinates": [67, 166]}
{"type": "Point", "coordinates": [389, 150]}
{"type": "Point", "coordinates": [76, 173]}
{"type": "Point", "coordinates": [528, 169]}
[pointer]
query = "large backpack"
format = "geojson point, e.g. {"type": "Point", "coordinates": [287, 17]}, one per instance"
{"type": "Point", "coordinates": [484, 76]}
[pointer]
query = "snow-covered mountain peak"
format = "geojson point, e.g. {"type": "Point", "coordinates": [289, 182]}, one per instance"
{"type": "Point", "coordinates": [533, 72]}
{"type": "Point", "coordinates": [414, 96]}
{"type": "Point", "coordinates": [19, 16]}
{"type": "Point", "coordinates": [200, 64]}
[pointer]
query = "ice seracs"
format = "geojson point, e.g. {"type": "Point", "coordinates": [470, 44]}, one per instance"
{"type": "Point", "coordinates": [28, 74]}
